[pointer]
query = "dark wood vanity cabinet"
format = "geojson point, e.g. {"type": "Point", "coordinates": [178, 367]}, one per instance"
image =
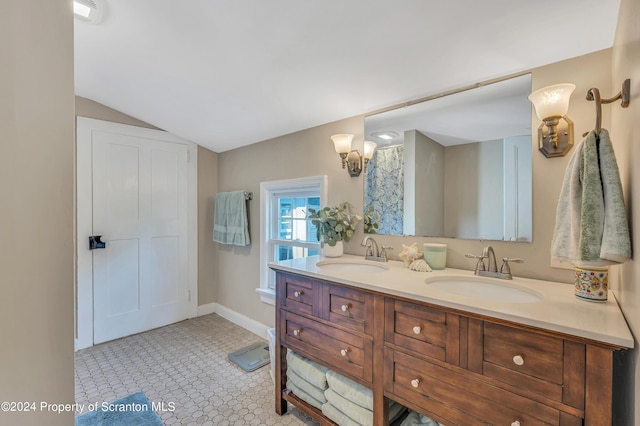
{"type": "Point", "coordinates": [455, 367]}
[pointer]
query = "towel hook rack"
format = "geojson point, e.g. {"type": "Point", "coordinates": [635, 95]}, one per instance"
{"type": "Point", "coordinates": [593, 94]}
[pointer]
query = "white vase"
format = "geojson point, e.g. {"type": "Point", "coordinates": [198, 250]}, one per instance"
{"type": "Point", "coordinates": [335, 251]}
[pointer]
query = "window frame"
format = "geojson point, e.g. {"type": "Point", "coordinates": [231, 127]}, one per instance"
{"type": "Point", "coordinates": [268, 209]}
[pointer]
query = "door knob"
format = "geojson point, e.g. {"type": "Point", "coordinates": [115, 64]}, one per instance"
{"type": "Point", "coordinates": [96, 243]}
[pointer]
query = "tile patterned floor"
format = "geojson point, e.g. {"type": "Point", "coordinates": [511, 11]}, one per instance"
{"type": "Point", "coordinates": [184, 365]}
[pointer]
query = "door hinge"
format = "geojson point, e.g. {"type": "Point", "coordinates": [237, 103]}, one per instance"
{"type": "Point", "coordinates": [188, 295]}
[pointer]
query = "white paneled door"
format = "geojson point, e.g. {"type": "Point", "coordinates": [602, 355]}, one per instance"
{"type": "Point", "coordinates": [140, 190]}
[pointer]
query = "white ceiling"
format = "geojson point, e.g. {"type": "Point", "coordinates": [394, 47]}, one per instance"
{"type": "Point", "coordinates": [230, 73]}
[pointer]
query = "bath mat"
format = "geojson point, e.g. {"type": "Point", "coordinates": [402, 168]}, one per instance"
{"type": "Point", "coordinates": [132, 410]}
{"type": "Point", "coordinates": [251, 357]}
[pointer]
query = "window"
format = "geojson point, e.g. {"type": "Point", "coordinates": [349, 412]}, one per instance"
{"type": "Point", "coordinates": [286, 233]}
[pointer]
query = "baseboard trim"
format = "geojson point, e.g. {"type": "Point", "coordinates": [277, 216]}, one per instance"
{"type": "Point", "coordinates": [243, 321]}
{"type": "Point", "coordinates": [209, 308]}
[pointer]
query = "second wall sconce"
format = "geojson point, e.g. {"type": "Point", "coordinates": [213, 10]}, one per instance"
{"type": "Point", "coordinates": [352, 160]}
{"type": "Point", "coordinates": [551, 104]}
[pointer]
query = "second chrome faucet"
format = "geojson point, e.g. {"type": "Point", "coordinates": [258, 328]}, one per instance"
{"type": "Point", "coordinates": [492, 271]}
{"type": "Point", "coordinates": [372, 252]}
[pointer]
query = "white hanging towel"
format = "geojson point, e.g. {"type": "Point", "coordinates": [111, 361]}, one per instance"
{"type": "Point", "coordinates": [591, 223]}
{"type": "Point", "coordinates": [230, 223]}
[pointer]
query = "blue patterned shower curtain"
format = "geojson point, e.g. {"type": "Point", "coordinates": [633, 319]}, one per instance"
{"type": "Point", "coordinates": [384, 188]}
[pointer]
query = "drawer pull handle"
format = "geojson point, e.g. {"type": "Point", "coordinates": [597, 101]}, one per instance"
{"type": "Point", "coordinates": [516, 423]}
{"type": "Point", "coordinates": [518, 360]}
{"type": "Point", "coordinates": [298, 293]}
{"type": "Point", "coordinates": [296, 332]}
{"type": "Point", "coordinates": [345, 308]}
{"type": "Point", "coordinates": [417, 329]}
{"type": "Point", "coordinates": [344, 352]}
{"type": "Point", "coordinates": [415, 383]}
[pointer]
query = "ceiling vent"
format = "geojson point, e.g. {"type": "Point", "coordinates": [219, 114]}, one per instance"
{"type": "Point", "coordinates": [89, 11]}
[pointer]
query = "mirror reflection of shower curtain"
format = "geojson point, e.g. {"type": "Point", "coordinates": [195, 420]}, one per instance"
{"type": "Point", "coordinates": [384, 188]}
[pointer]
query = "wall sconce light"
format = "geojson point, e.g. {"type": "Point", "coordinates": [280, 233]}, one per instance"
{"type": "Point", "coordinates": [369, 148]}
{"type": "Point", "coordinates": [551, 104]}
{"type": "Point", "coordinates": [352, 160]}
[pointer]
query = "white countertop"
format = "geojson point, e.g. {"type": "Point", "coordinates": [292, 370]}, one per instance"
{"type": "Point", "coordinates": [558, 310]}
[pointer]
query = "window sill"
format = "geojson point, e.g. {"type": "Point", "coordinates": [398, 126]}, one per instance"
{"type": "Point", "coordinates": [267, 295]}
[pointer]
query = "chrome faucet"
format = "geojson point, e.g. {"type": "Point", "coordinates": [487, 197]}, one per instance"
{"type": "Point", "coordinates": [488, 253]}
{"type": "Point", "coordinates": [372, 252]}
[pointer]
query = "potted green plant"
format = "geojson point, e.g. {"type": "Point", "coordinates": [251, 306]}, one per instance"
{"type": "Point", "coordinates": [334, 225]}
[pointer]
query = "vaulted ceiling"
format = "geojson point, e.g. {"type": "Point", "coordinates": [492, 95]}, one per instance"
{"type": "Point", "coordinates": [225, 74]}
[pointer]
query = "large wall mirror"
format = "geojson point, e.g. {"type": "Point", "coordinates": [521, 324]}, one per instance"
{"type": "Point", "coordinates": [454, 166]}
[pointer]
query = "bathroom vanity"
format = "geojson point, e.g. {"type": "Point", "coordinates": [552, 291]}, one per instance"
{"type": "Point", "coordinates": [460, 358]}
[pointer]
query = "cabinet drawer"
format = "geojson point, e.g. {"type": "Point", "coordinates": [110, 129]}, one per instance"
{"type": "Point", "coordinates": [539, 356]}
{"type": "Point", "coordinates": [341, 350]}
{"type": "Point", "coordinates": [536, 362]}
{"type": "Point", "coordinates": [428, 331]}
{"type": "Point", "coordinates": [456, 397]}
{"type": "Point", "coordinates": [349, 308]}
{"type": "Point", "coordinates": [299, 294]}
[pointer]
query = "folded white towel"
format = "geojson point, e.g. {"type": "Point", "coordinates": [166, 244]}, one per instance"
{"type": "Point", "coordinates": [350, 390]}
{"type": "Point", "coordinates": [230, 223]}
{"type": "Point", "coordinates": [358, 414]}
{"type": "Point", "coordinates": [310, 371]}
{"type": "Point", "coordinates": [591, 224]}
{"type": "Point", "coordinates": [331, 412]}
{"type": "Point", "coordinates": [310, 389]}
{"type": "Point", "coordinates": [303, 395]}
{"type": "Point", "coordinates": [415, 419]}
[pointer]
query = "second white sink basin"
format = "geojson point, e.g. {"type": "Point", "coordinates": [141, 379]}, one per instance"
{"type": "Point", "coordinates": [352, 265]}
{"type": "Point", "coordinates": [485, 289]}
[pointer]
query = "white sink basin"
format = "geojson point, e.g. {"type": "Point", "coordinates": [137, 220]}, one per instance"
{"type": "Point", "coordinates": [353, 266]}
{"type": "Point", "coordinates": [485, 289]}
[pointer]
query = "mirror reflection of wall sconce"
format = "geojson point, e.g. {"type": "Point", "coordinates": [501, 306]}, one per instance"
{"type": "Point", "coordinates": [551, 104]}
{"type": "Point", "coordinates": [352, 160]}
{"type": "Point", "coordinates": [89, 11]}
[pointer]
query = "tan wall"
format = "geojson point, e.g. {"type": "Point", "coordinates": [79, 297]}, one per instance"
{"type": "Point", "coordinates": [625, 134]}
{"type": "Point", "coordinates": [207, 184]}
{"type": "Point", "coordinates": [36, 212]}
{"type": "Point", "coordinates": [310, 152]}
{"type": "Point", "coordinates": [91, 109]}
{"type": "Point", "coordinates": [306, 153]}
{"type": "Point", "coordinates": [207, 250]}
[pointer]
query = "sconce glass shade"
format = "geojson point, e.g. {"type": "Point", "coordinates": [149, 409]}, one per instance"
{"type": "Point", "coordinates": [369, 148]}
{"type": "Point", "coordinates": [89, 11]}
{"type": "Point", "coordinates": [552, 101]}
{"type": "Point", "coordinates": [342, 142]}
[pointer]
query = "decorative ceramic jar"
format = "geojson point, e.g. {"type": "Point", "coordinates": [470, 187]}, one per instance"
{"type": "Point", "coordinates": [335, 251]}
{"type": "Point", "coordinates": [592, 283]}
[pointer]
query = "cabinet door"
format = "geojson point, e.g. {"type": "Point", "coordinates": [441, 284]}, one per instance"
{"type": "Point", "coordinates": [299, 294]}
{"type": "Point", "coordinates": [348, 307]}
{"type": "Point", "coordinates": [424, 330]}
